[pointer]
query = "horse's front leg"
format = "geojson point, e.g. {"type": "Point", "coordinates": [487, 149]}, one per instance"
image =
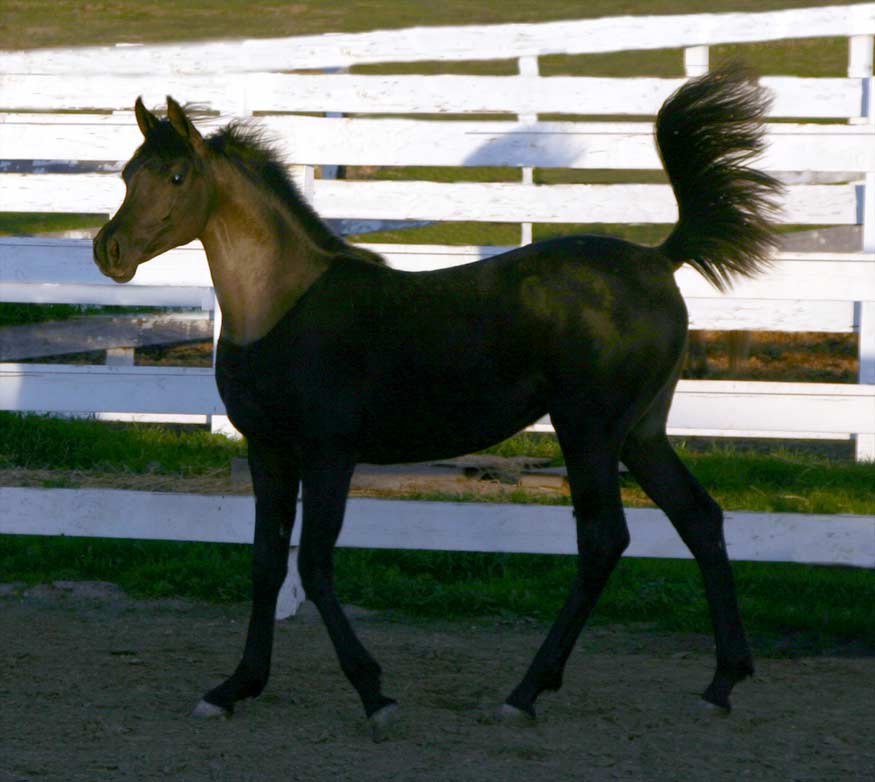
{"type": "Point", "coordinates": [275, 481]}
{"type": "Point", "coordinates": [324, 498]}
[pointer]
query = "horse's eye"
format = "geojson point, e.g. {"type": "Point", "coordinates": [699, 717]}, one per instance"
{"type": "Point", "coordinates": [177, 179]}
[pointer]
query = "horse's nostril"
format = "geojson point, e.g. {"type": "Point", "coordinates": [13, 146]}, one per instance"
{"type": "Point", "coordinates": [114, 250]}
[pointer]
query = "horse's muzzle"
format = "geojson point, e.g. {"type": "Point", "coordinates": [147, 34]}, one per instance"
{"type": "Point", "coordinates": [107, 253]}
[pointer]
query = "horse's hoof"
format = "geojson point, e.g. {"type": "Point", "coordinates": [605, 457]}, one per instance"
{"type": "Point", "coordinates": [207, 711]}
{"type": "Point", "coordinates": [511, 715]}
{"type": "Point", "coordinates": [715, 709]}
{"type": "Point", "coordinates": [381, 721]}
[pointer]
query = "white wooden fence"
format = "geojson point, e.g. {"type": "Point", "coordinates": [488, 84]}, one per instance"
{"type": "Point", "coordinates": [806, 292]}
{"type": "Point", "coordinates": [392, 124]}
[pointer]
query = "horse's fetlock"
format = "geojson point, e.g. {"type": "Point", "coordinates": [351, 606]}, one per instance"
{"type": "Point", "coordinates": [737, 669]}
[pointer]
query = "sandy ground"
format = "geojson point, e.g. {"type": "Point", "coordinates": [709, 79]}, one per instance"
{"type": "Point", "coordinates": [94, 686]}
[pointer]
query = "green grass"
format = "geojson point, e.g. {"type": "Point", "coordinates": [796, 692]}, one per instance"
{"type": "Point", "coordinates": [43, 442]}
{"type": "Point", "coordinates": [819, 607]}
{"type": "Point", "coordinates": [25, 223]}
{"type": "Point", "coordinates": [18, 314]}
{"type": "Point", "coordinates": [37, 23]}
{"type": "Point", "coordinates": [781, 480]}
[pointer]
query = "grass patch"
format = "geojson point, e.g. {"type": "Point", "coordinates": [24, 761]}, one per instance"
{"type": "Point", "coordinates": [26, 223]}
{"type": "Point", "coordinates": [44, 442]}
{"type": "Point", "coordinates": [781, 480]}
{"type": "Point", "coordinates": [819, 607]}
{"type": "Point", "coordinates": [20, 314]}
{"type": "Point", "coordinates": [36, 23]}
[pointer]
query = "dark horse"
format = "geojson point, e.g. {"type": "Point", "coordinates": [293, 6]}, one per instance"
{"type": "Point", "coordinates": [327, 358]}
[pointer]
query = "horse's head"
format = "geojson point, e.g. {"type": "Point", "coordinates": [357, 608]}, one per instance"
{"type": "Point", "coordinates": [169, 194]}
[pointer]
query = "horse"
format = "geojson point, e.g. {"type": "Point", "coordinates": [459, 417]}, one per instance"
{"type": "Point", "coordinates": [328, 357]}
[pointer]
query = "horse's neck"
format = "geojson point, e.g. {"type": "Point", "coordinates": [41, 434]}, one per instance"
{"type": "Point", "coordinates": [261, 260]}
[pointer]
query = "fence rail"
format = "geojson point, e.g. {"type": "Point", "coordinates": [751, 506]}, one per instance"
{"type": "Point", "coordinates": [471, 42]}
{"type": "Point", "coordinates": [441, 526]}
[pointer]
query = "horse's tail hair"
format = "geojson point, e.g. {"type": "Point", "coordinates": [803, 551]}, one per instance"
{"type": "Point", "coordinates": [706, 133]}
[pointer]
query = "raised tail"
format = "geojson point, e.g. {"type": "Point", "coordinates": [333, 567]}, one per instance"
{"type": "Point", "coordinates": [706, 133]}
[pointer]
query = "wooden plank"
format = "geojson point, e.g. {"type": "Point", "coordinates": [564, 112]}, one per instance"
{"type": "Point", "coordinates": [512, 202]}
{"type": "Point", "coordinates": [101, 389]}
{"type": "Point", "coordinates": [409, 94]}
{"type": "Point", "coordinates": [713, 405]}
{"type": "Point", "coordinates": [56, 264]}
{"type": "Point", "coordinates": [102, 332]}
{"type": "Point", "coordinates": [490, 202]}
{"type": "Point", "coordinates": [757, 406]}
{"type": "Point", "coordinates": [583, 145]}
{"type": "Point", "coordinates": [481, 42]}
{"type": "Point", "coordinates": [62, 261]}
{"type": "Point", "coordinates": [536, 529]}
{"type": "Point", "coordinates": [792, 315]}
{"type": "Point", "coordinates": [108, 295]}
{"type": "Point", "coordinates": [793, 278]}
{"type": "Point", "coordinates": [105, 137]}
{"type": "Point", "coordinates": [392, 142]}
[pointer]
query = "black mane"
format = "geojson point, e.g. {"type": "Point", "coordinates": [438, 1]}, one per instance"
{"type": "Point", "coordinates": [248, 147]}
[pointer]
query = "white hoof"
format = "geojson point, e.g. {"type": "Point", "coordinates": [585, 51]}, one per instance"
{"type": "Point", "coordinates": [511, 715]}
{"type": "Point", "coordinates": [380, 722]}
{"type": "Point", "coordinates": [712, 709]}
{"type": "Point", "coordinates": [209, 711]}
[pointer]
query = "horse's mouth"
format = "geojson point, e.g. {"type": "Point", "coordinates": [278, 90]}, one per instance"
{"type": "Point", "coordinates": [121, 276]}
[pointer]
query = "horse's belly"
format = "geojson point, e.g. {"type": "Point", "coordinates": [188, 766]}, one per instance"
{"type": "Point", "coordinates": [450, 420]}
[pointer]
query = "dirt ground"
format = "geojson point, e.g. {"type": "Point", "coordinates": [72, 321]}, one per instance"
{"type": "Point", "coordinates": [97, 686]}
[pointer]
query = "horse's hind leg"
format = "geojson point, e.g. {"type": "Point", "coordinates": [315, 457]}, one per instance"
{"type": "Point", "coordinates": [275, 481]}
{"type": "Point", "coordinates": [699, 521]}
{"type": "Point", "coordinates": [602, 536]}
{"type": "Point", "coordinates": [325, 491]}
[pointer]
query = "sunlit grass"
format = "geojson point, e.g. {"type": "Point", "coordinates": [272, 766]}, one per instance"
{"type": "Point", "coordinates": [783, 480]}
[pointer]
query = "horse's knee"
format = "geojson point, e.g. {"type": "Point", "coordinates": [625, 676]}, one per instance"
{"type": "Point", "coordinates": [602, 539]}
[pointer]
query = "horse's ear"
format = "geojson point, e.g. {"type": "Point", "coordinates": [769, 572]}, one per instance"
{"type": "Point", "coordinates": [146, 120]}
{"type": "Point", "coordinates": [183, 125]}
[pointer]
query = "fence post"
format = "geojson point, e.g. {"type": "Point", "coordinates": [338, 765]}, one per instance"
{"type": "Point", "coordinates": [333, 171]}
{"type": "Point", "coordinates": [120, 357]}
{"type": "Point", "coordinates": [219, 424]}
{"type": "Point", "coordinates": [865, 318]}
{"type": "Point", "coordinates": [528, 66]}
{"type": "Point", "coordinates": [292, 592]}
{"type": "Point", "coordinates": [861, 54]}
{"type": "Point", "coordinates": [696, 61]}
{"type": "Point", "coordinates": [860, 59]}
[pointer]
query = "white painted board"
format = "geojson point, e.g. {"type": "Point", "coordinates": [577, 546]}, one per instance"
{"type": "Point", "coordinates": [467, 42]}
{"type": "Point", "coordinates": [399, 524]}
{"type": "Point", "coordinates": [407, 142]}
{"type": "Point", "coordinates": [231, 95]}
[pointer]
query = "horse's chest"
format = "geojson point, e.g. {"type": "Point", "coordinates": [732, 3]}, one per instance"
{"type": "Point", "coordinates": [259, 404]}
{"type": "Point", "coordinates": [294, 397]}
